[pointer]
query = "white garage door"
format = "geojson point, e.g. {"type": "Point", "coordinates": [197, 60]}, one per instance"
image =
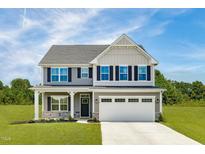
{"type": "Point", "coordinates": [127, 108]}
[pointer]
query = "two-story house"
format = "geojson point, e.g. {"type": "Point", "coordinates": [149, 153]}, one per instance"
{"type": "Point", "coordinates": [113, 82]}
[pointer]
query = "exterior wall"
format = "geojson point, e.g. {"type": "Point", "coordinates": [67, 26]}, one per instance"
{"type": "Point", "coordinates": [56, 114]}
{"type": "Point", "coordinates": [97, 94]}
{"type": "Point", "coordinates": [123, 56]}
{"type": "Point", "coordinates": [75, 80]}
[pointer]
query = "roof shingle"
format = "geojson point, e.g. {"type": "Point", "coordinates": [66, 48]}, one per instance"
{"type": "Point", "coordinates": [72, 54]}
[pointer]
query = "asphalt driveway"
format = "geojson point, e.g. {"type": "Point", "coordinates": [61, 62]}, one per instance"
{"type": "Point", "coordinates": [116, 133]}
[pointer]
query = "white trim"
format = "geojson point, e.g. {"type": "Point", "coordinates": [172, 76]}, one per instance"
{"type": "Point", "coordinates": [88, 105]}
{"type": "Point", "coordinates": [64, 65]}
{"type": "Point", "coordinates": [43, 101]}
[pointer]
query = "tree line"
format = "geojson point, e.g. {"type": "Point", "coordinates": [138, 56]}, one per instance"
{"type": "Point", "coordinates": [176, 92]}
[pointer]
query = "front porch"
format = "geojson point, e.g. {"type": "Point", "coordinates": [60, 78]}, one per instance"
{"type": "Point", "coordinates": [64, 102]}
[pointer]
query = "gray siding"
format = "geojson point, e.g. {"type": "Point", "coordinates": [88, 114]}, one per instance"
{"type": "Point", "coordinates": [75, 80]}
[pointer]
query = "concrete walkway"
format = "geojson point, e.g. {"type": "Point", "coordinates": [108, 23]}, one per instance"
{"type": "Point", "coordinates": [116, 133]}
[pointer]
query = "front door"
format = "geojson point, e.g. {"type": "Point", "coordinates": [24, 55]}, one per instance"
{"type": "Point", "coordinates": [84, 107]}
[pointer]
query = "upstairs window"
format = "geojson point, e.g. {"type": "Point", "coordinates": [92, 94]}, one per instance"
{"type": "Point", "coordinates": [123, 73]}
{"type": "Point", "coordinates": [104, 72]}
{"type": "Point", "coordinates": [54, 74]}
{"type": "Point", "coordinates": [142, 73]}
{"type": "Point", "coordinates": [59, 74]}
{"type": "Point", "coordinates": [84, 72]}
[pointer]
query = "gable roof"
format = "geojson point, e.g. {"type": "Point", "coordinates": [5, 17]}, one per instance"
{"type": "Point", "coordinates": [72, 54]}
{"type": "Point", "coordinates": [125, 40]}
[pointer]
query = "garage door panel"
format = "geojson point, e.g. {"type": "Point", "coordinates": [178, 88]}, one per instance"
{"type": "Point", "coordinates": [124, 111]}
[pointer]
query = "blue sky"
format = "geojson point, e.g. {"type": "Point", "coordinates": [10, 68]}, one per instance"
{"type": "Point", "coordinates": [175, 37]}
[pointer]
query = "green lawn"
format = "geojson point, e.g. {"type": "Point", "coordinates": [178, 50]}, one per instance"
{"type": "Point", "coordinates": [48, 133]}
{"type": "Point", "coordinates": [189, 121]}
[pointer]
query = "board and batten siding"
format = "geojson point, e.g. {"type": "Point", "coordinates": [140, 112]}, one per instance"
{"type": "Point", "coordinates": [75, 80]}
{"type": "Point", "coordinates": [130, 56]}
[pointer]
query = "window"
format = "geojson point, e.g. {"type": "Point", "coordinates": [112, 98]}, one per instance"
{"type": "Point", "coordinates": [59, 74]}
{"type": "Point", "coordinates": [54, 74]}
{"type": "Point", "coordinates": [120, 100]}
{"type": "Point", "coordinates": [146, 100]}
{"type": "Point", "coordinates": [84, 72]}
{"type": "Point", "coordinates": [133, 100]}
{"type": "Point", "coordinates": [104, 72]}
{"type": "Point", "coordinates": [142, 72]}
{"type": "Point", "coordinates": [59, 103]}
{"type": "Point", "coordinates": [106, 100]}
{"type": "Point", "coordinates": [63, 74]}
{"type": "Point", "coordinates": [123, 73]}
{"type": "Point", "coordinates": [55, 104]}
{"type": "Point", "coordinates": [64, 104]}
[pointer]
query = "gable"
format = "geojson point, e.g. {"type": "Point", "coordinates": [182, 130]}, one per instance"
{"type": "Point", "coordinates": [124, 51]}
{"type": "Point", "coordinates": [124, 55]}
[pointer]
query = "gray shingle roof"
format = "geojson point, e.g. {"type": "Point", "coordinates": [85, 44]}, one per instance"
{"type": "Point", "coordinates": [72, 54]}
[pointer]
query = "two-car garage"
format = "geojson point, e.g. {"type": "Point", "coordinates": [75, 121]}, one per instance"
{"type": "Point", "coordinates": [127, 108]}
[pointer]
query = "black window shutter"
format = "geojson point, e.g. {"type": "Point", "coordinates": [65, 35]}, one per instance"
{"type": "Point", "coordinates": [79, 72]}
{"type": "Point", "coordinates": [69, 74]}
{"type": "Point", "coordinates": [130, 73]}
{"type": "Point", "coordinates": [136, 73]}
{"type": "Point", "coordinates": [117, 73]}
{"type": "Point", "coordinates": [148, 73]}
{"type": "Point", "coordinates": [49, 103]}
{"type": "Point", "coordinates": [90, 72]}
{"type": "Point", "coordinates": [48, 74]}
{"type": "Point", "coordinates": [68, 103]}
{"type": "Point", "coordinates": [111, 73]}
{"type": "Point", "coordinates": [98, 73]}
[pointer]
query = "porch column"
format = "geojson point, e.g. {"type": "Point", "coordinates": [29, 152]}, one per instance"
{"type": "Point", "coordinates": [72, 104]}
{"type": "Point", "coordinates": [160, 102]}
{"type": "Point", "coordinates": [93, 102]}
{"type": "Point", "coordinates": [36, 105]}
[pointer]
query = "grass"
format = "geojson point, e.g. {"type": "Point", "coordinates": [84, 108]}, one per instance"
{"type": "Point", "coordinates": [40, 133]}
{"type": "Point", "coordinates": [188, 120]}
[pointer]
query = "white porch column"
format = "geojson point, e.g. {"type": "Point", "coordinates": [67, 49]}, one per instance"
{"type": "Point", "coordinates": [36, 105]}
{"type": "Point", "coordinates": [72, 104]}
{"type": "Point", "coordinates": [93, 102]}
{"type": "Point", "coordinates": [42, 102]}
{"type": "Point", "coordinates": [160, 102]}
